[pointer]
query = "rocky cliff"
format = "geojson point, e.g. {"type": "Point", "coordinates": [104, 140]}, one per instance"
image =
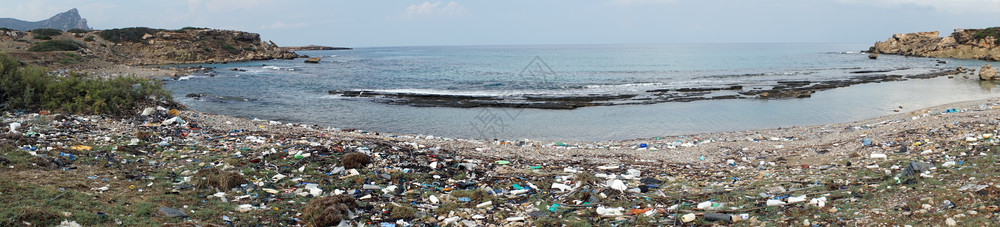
{"type": "Point", "coordinates": [962, 44]}
{"type": "Point", "coordinates": [191, 46]}
{"type": "Point", "coordinates": [64, 21]}
{"type": "Point", "coordinates": [146, 46]}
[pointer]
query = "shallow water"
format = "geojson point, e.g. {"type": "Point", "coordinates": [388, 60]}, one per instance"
{"type": "Point", "coordinates": [292, 91]}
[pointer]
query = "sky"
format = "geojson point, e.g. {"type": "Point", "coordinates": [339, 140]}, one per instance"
{"type": "Point", "coordinates": [532, 22]}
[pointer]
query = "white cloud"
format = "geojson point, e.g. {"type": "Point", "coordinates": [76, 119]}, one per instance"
{"type": "Point", "coordinates": [435, 9]}
{"type": "Point", "coordinates": [641, 2]}
{"type": "Point", "coordinates": [32, 10]}
{"type": "Point", "coordinates": [954, 6]}
{"type": "Point", "coordinates": [281, 24]}
{"type": "Point", "coordinates": [222, 5]}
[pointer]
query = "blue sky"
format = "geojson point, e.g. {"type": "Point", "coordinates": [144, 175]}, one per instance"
{"type": "Point", "coordinates": [458, 22]}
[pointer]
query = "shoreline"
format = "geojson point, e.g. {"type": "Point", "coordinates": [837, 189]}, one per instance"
{"type": "Point", "coordinates": [854, 168]}
{"type": "Point", "coordinates": [753, 166]}
{"type": "Point", "coordinates": [688, 150]}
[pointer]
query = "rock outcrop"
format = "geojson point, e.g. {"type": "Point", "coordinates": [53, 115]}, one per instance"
{"type": "Point", "coordinates": [197, 46]}
{"type": "Point", "coordinates": [987, 72]}
{"type": "Point", "coordinates": [962, 44]}
{"type": "Point", "coordinates": [63, 21]}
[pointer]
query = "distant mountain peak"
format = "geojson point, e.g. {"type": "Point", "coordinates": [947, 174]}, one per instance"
{"type": "Point", "coordinates": [63, 21]}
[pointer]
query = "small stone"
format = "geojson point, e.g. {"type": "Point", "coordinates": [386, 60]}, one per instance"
{"type": "Point", "coordinates": [950, 222]}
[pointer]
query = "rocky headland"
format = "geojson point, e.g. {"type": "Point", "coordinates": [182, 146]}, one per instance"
{"type": "Point", "coordinates": [962, 44]}
{"type": "Point", "coordinates": [63, 21]}
{"type": "Point", "coordinates": [65, 41]}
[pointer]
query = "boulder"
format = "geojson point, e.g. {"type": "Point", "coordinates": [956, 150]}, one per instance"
{"type": "Point", "coordinates": [312, 60]}
{"type": "Point", "coordinates": [987, 72]}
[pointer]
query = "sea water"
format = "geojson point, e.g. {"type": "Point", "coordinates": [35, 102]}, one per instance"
{"type": "Point", "coordinates": [294, 91]}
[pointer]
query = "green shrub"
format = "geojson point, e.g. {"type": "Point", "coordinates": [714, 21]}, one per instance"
{"type": "Point", "coordinates": [993, 31]}
{"type": "Point", "coordinates": [77, 30]}
{"type": "Point", "coordinates": [57, 45]}
{"type": "Point", "coordinates": [89, 38]}
{"type": "Point", "coordinates": [42, 37]}
{"type": "Point", "coordinates": [33, 89]}
{"type": "Point", "coordinates": [47, 32]}
{"type": "Point", "coordinates": [71, 58]}
{"type": "Point", "coordinates": [186, 29]}
{"type": "Point", "coordinates": [127, 34]}
{"type": "Point", "coordinates": [230, 48]}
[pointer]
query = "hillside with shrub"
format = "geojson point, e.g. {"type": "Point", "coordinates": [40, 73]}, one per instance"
{"type": "Point", "coordinates": [140, 46]}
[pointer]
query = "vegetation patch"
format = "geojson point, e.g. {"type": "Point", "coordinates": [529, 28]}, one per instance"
{"type": "Point", "coordinates": [77, 30]}
{"type": "Point", "coordinates": [988, 32]}
{"type": "Point", "coordinates": [34, 89]}
{"type": "Point", "coordinates": [356, 160]}
{"type": "Point", "coordinates": [71, 58]}
{"type": "Point", "coordinates": [47, 32]}
{"type": "Point", "coordinates": [133, 34]}
{"type": "Point", "coordinates": [219, 179]}
{"type": "Point", "coordinates": [57, 45]}
{"type": "Point", "coordinates": [229, 48]}
{"type": "Point", "coordinates": [328, 211]}
{"type": "Point", "coordinates": [186, 29]}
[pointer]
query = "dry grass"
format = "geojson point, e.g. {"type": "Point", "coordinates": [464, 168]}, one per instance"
{"type": "Point", "coordinates": [328, 211]}
{"type": "Point", "coordinates": [219, 179]}
{"type": "Point", "coordinates": [356, 160]}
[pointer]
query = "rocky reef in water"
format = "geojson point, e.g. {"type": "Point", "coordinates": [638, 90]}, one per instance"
{"type": "Point", "coordinates": [314, 47]}
{"type": "Point", "coordinates": [962, 44]}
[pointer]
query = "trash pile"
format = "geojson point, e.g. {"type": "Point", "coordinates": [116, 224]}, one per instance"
{"type": "Point", "coordinates": [170, 166]}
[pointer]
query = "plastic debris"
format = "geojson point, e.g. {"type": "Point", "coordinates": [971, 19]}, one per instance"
{"type": "Point", "coordinates": [561, 187]}
{"type": "Point", "coordinates": [718, 217]}
{"type": "Point", "coordinates": [171, 212]}
{"type": "Point", "coordinates": [618, 185]}
{"type": "Point", "coordinates": [14, 126]}
{"type": "Point", "coordinates": [616, 211]}
{"type": "Point", "coordinates": [797, 199]}
{"type": "Point", "coordinates": [688, 217]}
{"type": "Point", "coordinates": [775, 202]}
{"type": "Point", "coordinates": [68, 223]}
